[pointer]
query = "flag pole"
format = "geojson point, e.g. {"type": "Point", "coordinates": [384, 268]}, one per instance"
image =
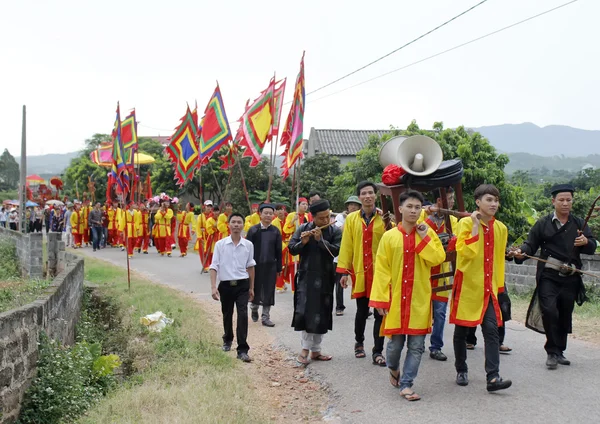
{"type": "Point", "coordinates": [272, 170]}
{"type": "Point", "coordinates": [244, 182]}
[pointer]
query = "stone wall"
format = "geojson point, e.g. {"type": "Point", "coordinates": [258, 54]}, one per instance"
{"type": "Point", "coordinates": [521, 278]}
{"type": "Point", "coordinates": [29, 251]}
{"type": "Point", "coordinates": [56, 312]}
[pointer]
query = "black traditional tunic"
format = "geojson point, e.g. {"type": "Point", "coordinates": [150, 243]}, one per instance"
{"type": "Point", "coordinates": [267, 254]}
{"type": "Point", "coordinates": [315, 279]}
{"type": "Point", "coordinates": [556, 243]}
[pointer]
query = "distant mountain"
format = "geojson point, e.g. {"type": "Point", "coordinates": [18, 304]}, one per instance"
{"type": "Point", "coordinates": [552, 140]}
{"type": "Point", "coordinates": [48, 165]}
{"type": "Point", "coordinates": [527, 161]}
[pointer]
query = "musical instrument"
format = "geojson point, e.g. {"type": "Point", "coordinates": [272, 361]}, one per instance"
{"type": "Point", "coordinates": [564, 269]}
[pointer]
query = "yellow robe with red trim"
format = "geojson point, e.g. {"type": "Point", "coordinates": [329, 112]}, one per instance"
{"type": "Point", "coordinates": [77, 222]}
{"type": "Point", "coordinates": [201, 231]}
{"type": "Point", "coordinates": [251, 220]}
{"type": "Point", "coordinates": [401, 282]}
{"type": "Point", "coordinates": [162, 223]}
{"type": "Point", "coordinates": [112, 219]}
{"type": "Point", "coordinates": [479, 273]}
{"type": "Point", "coordinates": [441, 296]}
{"type": "Point", "coordinates": [223, 225]}
{"type": "Point", "coordinates": [212, 234]}
{"type": "Point", "coordinates": [184, 219]}
{"type": "Point", "coordinates": [290, 227]}
{"type": "Point", "coordinates": [359, 250]}
{"type": "Point", "coordinates": [131, 223]}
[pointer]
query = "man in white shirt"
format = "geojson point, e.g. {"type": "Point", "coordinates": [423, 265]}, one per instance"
{"type": "Point", "coordinates": [233, 265]}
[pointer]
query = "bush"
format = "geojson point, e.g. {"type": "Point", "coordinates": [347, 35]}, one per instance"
{"type": "Point", "coordinates": [9, 266]}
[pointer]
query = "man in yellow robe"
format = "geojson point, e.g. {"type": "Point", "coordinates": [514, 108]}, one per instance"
{"type": "Point", "coordinates": [200, 228]}
{"type": "Point", "coordinates": [162, 229]}
{"type": "Point", "coordinates": [212, 236]}
{"type": "Point", "coordinates": [223, 221]}
{"type": "Point", "coordinates": [363, 230]}
{"type": "Point", "coordinates": [479, 277]}
{"type": "Point", "coordinates": [252, 219]}
{"type": "Point", "coordinates": [283, 278]}
{"type": "Point", "coordinates": [184, 219]}
{"type": "Point", "coordinates": [292, 222]}
{"type": "Point", "coordinates": [401, 290]}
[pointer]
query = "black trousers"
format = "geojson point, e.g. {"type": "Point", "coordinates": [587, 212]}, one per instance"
{"type": "Point", "coordinates": [237, 296]}
{"type": "Point", "coordinates": [339, 293]}
{"type": "Point", "coordinates": [13, 226]}
{"type": "Point", "coordinates": [472, 338]}
{"type": "Point", "coordinates": [489, 328]}
{"type": "Point", "coordinates": [360, 322]}
{"type": "Point", "coordinates": [557, 300]}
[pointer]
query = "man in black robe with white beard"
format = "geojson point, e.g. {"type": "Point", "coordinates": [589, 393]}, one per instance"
{"type": "Point", "coordinates": [267, 254]}
{"type": "Point", "coordinates": [315, 280]}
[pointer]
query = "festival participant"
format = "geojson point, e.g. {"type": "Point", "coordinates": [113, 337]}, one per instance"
{"type": "Point", "coordinates": [279, 222]}
{"type": "Point", "coordinates": [223, 221]}
{"type": "Point", "coordinates": [313, 196]}
{"type": "Point", "coordinates": [252, 219]}
{"type": "Point", "coordinates": [362, 232]}
{"type": "Point", "coordinates": [131, 222]}
{"type": "Point", "coordinates": [212, 235]}
{"type": "Point", "coordinates": [313, 298]}
{"type": "Point", "coordinates": [185, 219]}
{"type": "Point", "coordinates": [86, 209]}
{"type": "Point", "coordinates": [95, 221]}
{"type": "Point", "coordinates": [267, 255]}
{"type": "Point", "coordinates": [233, 266]}
{"type": "Point", "coordinates": [143, 235]}
{"type": "Point", "coordinates": [200, 228]}
{"type": "Point", "coordinates": [174, 206]}
{"type": "Point", "coordinates": [113, 232]}
{"type": "Point", "coordinates": [162, 228]}
{"type": "Point", "coordinates": [292, 222]}
{"type": "Point", "coordinates": [439, 300]}
{"type": "Point", "coordinates": [77, 225]}
{"type": "Point", "coordinates": [352, 205]}
{"type": "Point", "coordinates": [104, 227]}
{"type": "Point", "coordinates": [479, 277]}
{"type": "Point", "coordinates": [401, 290]}
{"type": "Point", "coordinates": [68, 228]}
{"type": "Point", "coordinates": [562, 238]}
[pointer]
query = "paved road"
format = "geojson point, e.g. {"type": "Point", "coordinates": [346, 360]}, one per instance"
{"type": "Point", "coordinates": [363, 393]}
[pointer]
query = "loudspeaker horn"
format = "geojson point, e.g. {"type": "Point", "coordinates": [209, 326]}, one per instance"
{"type": "Point", "coordinates": [388, 153]}
{"type": "Point", "coordinates": [418, 155]}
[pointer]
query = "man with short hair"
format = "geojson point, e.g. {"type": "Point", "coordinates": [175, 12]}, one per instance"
{"type": "Point", "coordinates": [479, 278]}
{"type": "Point", "coordinates": [223, 221]}
{"type": "Point", "coordinates": [313, 298]}
{"type": "Point", "coordinates": [562, 238]}
{"type": "Point", "coordinates": [233, 266]}
{"type": "Point", "coordinates": [253, 218]}
{"type": "Point", "coordinates": [95, 221]}
{"type": "Point", "coordinates": [267, 255]}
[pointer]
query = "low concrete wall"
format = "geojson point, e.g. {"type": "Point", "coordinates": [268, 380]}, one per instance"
{"type": "Point", "coordinates": [522, 277]}
{"type": "Point", "coordinates": [56, 313]}
{"type": "Point", "coordinates": [29, 251]}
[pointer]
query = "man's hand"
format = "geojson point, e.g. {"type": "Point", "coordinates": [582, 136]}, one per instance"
{"type": "Point", "coordinates": [215, 294]}
{"type": "Point", "coordinates": [382, 312]}
{"type": "Point", "coordinates": [280, 273]}
{"type": "Point", "coordinates": [581, 241]}
{"type": "Point", "coordinates": [295, 219]}
{"type": "Point", "coordinates": [517, 253]}
{"type": "Point", "coordinates": [305, 237]}
{"type": "Point", "coordinates": [344, 281]}
{"type": "Point", "coordinates": [422, 230]}
{"type": "Point", "coordinates": [317, 233]}
{"type": "Point", "coordinates": [251, 294]}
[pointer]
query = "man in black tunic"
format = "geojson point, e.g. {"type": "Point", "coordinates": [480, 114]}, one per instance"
{"type": "Point", "coordinates": [315, 280]}
{"type": "Point", "coordinates": [267, 254]}
{"type": "Point", "coordinates": [562, 237]}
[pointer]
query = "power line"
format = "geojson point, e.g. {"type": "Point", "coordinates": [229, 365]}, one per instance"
{"type": "Point", "coordinates": [399, 48]}
{"type": "Point", "coordinates": [446, 51]}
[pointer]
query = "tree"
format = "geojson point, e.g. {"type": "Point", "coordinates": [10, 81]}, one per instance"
{"type": "Point", "coordinates": [9, 172]}
{"type": "Point", "coordinates": [76, 178]}
{"type": "Point", "coordinates": [94, 142]}
{"type": "Point", "coordinates": [317, 173]}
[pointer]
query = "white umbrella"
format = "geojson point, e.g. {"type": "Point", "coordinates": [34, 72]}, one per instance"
{"type": "Point", "coordinates": [55, 202]}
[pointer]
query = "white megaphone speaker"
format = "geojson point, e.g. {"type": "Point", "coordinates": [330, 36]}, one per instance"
{"type": "Point", "coordinates": [418, 155]}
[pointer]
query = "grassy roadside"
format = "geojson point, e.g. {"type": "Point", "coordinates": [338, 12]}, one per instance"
{"type": "Point", "coordinates": [182, 375]}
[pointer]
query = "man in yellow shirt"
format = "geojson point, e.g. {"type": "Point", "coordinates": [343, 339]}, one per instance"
{"type": "Point", "coordinates": [252, 219]}
{"type": "Point", "coordinates": [223, 221]}
{"type": "Point", "coordinates": [401, 291]}
{"type": "Point", "coordinates": [183, 235]}
{"type": "Point", "coordinates": [479, 277]}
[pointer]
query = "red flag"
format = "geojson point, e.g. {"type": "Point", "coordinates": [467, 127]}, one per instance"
{"type": "Point", "coordinates": [148, 186]}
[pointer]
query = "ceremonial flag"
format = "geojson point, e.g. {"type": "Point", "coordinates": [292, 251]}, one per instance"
{"type": "Point", "coordinates": [215, 130]}
{"type": "Point", "coordinates": [256, 124]}
{"type": "Point", "coordinates": [102, 155]}
{"type": "Point", "coordinates": [148, 186]}
{"type": "Point", "coordinates": [277, 107]}
{"type": "Point", "coordinates": [183, 150]}
{"type": "Point", "coordinates": [229, 157]}
{"type": "Point", "coordinates": [291, 138]}
{"type": "Point", "coordinates": [119, 170]}
{"type": "Point", "coordinates": [129, 132]}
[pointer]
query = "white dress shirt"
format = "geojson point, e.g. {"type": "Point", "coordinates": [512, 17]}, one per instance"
{"type": "Point", "coordinates": [230, 261]}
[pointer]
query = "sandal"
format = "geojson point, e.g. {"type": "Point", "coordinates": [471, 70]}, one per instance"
{"type": "Point", "coordinates": [339, 313]}
{"type": "Point", "coordinates": [505, 349]}
{"type": "Point", "coordinates": [320, 357]}
{"type": "Point", "coordinates": [410, 395]}
{"type": "Point", "coordinates": [378, 359]}
{"type": "Point", "coordinates": [470, 346]}
{"type": "Point", "coordinates": [395, 379]}
{"type": "Point", "coordinates": [359, 351]}
{"type": "Point", "coordinates": [302, 361]}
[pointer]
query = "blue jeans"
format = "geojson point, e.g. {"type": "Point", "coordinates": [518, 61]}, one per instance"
{"type": "Point", "coordinates": [96, 236]}
{"type": "Point", "coordinates": [415, 349]}
{"type": "Point", "coordinates": [105, 236]}
{"type": "Point", "coordinates": [439, 320]}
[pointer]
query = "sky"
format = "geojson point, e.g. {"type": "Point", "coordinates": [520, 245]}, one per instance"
{"type": "Point", "coordinates": [70, 62]}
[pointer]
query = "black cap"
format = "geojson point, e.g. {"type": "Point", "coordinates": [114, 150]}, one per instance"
{"type": "Point", "coordinates": [266, 206]}
{"type": "Point", "coordinates": [319, 206]}
{"type": "Point", "coordinates": [562, 188]}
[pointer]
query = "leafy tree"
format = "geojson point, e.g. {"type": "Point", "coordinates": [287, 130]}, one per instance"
{"type": "Point", "coordinates": [92, 143]}
{"type": "Point", "coordinates": [9, 172]}
{"type": "Point", "coordinates": [317, 173]}
{"type": "Point", "coordinates": [76, 178]}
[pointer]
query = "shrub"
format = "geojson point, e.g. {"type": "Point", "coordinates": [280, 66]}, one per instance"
{"type": "Point", "coordinates": [9, 266]}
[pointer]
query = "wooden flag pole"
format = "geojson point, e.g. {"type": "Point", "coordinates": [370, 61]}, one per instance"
{"type": "Point", "coordinates": [271, 170]}
{"type": "Point", "coordinates": [244, 182]}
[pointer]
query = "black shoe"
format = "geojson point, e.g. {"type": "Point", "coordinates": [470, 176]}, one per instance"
{"type": "Point", "coordinates": [254, 316]}
{"type": "Point", "coordinates": [244, 357]}
{"type": "Point", "coordinates": [437, 355]}
{"type": "Point", "coordinates": [552, 362]}
{"type": "Point", "coordinates": [268, 323]}
{"type": "Point", "coordinates": [226, 347]}
{"type": "Point", "coordinates": [145, 253]}
{"type": "Point", "coordinates": [562, 360]}
{"type": "Point", "coordinates": [498, 384]}
{"type": "Point", "coordinates": [462, 379]}
{"type": "Point", "coordinates": [370, 314]}
{"type": "Point", "coordinates": [94, 250]}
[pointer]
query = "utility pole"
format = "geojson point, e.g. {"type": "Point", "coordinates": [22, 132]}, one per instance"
{"type": "Point", "coordinates": [23, 175]}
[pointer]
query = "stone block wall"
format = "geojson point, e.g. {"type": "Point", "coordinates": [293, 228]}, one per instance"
{"type": "Point", "coordinates": [56, 313]}
{"type": "Point", "coordinates": [29, 251]}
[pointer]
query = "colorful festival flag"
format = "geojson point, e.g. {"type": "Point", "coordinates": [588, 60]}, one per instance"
{"type": "Point", "coordinates": [183, 150]}
{"type": "Point", "coordinates": [291, 138]}
{"type": "Point", "coordinates": [119, 169]}
{"type": "Point", "coordinates": [215, 131]}
{"type": "Point", "coordinates": [256, 124]}
{"type": "Point", "coordinates": [102, 155]}
{"type": "Point", "coordinates": [230, 156]}
{"type": "Point", "coordinates": [129, 132]}
{"type": "Point", "coordinates": [277, 107]}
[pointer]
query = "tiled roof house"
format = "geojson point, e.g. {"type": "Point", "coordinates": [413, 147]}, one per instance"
{"type": "Point", "coordinates": [344, 144]}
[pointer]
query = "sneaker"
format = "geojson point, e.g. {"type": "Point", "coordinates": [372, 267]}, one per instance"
{"type": "Point", "coordinates": [244, 357]}
{"type": "Point", "coordinates": [437, 355]}
{"type": "Point", "coordinates": [498, 384]}
{"type": "Point", "coordinates": [169, 254]}
{"type": "Point", "coordinates": [254, 316]}
{"type": "Point", "coordinates": [470, 346]}
{"type": "Point", "coordinates": [122, 249]}
{"type": "Point", "coordinates": [226, 347]}
{"type": "Point", "coordinates": [462, 379]}
{"type": "Point", "coordinates": [145, 253]}
{"type": "Point", "coordinates": [268, 323]}
{"type": "Point", "coordinates": [562, 360]}
{"type": "Point", "coordinates": [552, 362]}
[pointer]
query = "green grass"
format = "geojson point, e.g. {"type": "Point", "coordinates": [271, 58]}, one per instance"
{"type": "Point", "coordinates": [179, 375]}
{"type": "Point", "coordinates": [16, 293]}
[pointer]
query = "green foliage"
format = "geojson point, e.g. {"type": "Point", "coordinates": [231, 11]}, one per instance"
{"type": "Point", "coordinates": [9, 171]}
{"type": "Point", "coordinates": [9, 265]}
{"type": "Point", "coordinates": [318, 173]}
{"type": "Point", "coordinates": [9, 195]}
{"type": "Point", "coordinates": [76, 178]}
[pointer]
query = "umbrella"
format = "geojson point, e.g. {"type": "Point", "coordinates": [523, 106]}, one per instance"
{"type": "Point", "coordinates": [30, 204]}
{"type": "Point", "coordinates": [138, 159]}
{"type": "Point", "coordinates": [35, 179]}
{"type": "Point", "coordinates": [13, 202]}
{"type": "Point", "coordinates": [54, 202]}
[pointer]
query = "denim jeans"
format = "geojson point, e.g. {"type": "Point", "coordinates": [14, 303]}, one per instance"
{"type": "Point", "coordinates": [104, 236]}
{"type": "Point", "coordinates": [96, 236]}
{"type": "Point", "coordinates": [415, 349]}
{"type": "Point", "coordinates": [439, 320]}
